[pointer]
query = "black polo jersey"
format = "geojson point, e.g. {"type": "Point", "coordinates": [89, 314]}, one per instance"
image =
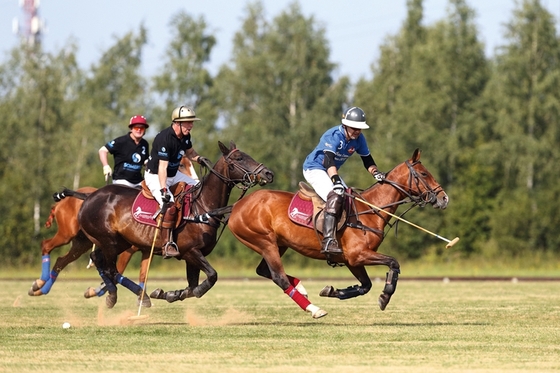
{"type": "Point", "coordinates": [168, 147]}
{"type": "Point", "coordinates": [129, 158]}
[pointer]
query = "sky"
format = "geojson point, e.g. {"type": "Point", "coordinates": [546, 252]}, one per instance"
{"type": "Point", "coordinates": [354, 29]}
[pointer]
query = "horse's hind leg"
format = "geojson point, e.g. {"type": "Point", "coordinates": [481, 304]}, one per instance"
{"type": "Point", "coordinates": [80, 245]}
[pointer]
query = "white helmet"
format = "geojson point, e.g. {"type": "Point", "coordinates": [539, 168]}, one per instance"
{"type": "Point", "coordinates": [183, 114]}
{"type": "Point", "coordinates": [355, 118]}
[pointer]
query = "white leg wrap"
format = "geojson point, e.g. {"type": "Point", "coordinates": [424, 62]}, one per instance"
{"type": "Point", "coordinates": [301, 289]}
{"type": "Point", "coordinates": [312, 308]}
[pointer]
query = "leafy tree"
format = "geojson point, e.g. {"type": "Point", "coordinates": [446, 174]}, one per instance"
{"type": "Point", "coordinates": [277, 95]}
{"type": "Point", "coordinates": [524, 117]}
{"type": "Point", "coordinates": [184, 80]}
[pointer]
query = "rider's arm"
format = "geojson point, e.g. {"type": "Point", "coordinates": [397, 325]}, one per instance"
{"type": "Point", "coordinates": [162, 173]}
{"type": "Point", "coordinates": [328, 163]}
{"type": "Point", "coordinates": [369, 163]}
{"type": "Point", "coordinates": [192, 155]}
{"type": "Point", "coordinates": [103, 156]}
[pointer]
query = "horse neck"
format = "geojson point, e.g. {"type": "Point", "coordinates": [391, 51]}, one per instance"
{"type": "Point", "coordinates": [215, 192]}
{"type": "Point", "coordinates": [384, 194]}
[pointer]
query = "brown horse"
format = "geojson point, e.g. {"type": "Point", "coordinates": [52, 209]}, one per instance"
{"type": "Point", "coordinates": [261, 222]}
{"type": "Point", "coordinates": [65, 213]}
{"type": "Point", "coordinates": [106, 219]}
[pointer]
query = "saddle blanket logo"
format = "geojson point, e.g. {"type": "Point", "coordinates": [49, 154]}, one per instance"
{"type": "Point", "coordinates": [143, 210]}
{"type": "Point", "coordinates": [300, 211]}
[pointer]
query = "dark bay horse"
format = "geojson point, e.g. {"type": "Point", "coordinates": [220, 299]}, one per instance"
{"type": "Point", "coordinates": [261, 222]}
{"type": "Point", "coordinates": [106, 219]}
{"type": "Point", "coordinates": [65, 213]}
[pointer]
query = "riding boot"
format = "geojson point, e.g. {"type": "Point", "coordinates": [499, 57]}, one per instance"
{"type": "Point", "coordinates": [170, 249]}
{"type": "Point", "coordinates": [333, 210]}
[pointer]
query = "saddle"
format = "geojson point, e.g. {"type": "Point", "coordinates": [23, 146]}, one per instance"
{"type": "Point", "coordinates": [145, 207]}
{"type": "Point", "coordinates": [306, 209]}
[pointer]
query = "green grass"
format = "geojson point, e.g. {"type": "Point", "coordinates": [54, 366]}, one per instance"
{"type": "Point", "coordinates": [251, 326]}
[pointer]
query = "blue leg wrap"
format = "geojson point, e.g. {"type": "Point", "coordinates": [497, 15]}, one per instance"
{"type": "Point", "coordinates": [48, 285]}
{"type": "Point", "coordinates": [46, 267]}
{"type": "Point", "coordinates": [130, 285]}
{"type": "Point", "coordinates": [108, 283]}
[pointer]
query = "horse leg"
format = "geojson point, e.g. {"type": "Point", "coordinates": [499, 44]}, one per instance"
{"type": "Point", "coordinates": [105, 274]}
{"type": "Point", "coordinates": [193, 277]}
{"type": "Point", "coordinates": [80, 245]}
{"type": "Point", "coordinates": [352, 291]}
{"type": "Point", "coordinates": [198, 261]}
{"type": "Point", "coordinates": [264, 271]}
{"type": "Point", "coordinates": [286, 283]}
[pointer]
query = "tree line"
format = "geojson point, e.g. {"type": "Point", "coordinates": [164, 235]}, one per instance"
{"type": "Point", "coordinates": [488, 126]}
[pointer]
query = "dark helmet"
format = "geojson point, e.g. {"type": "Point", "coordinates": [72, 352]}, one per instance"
{"type": "Point", "coordinates": [355, 118]}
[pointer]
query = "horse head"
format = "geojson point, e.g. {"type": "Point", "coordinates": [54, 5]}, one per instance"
{"type": "Point", "coordinates": [417, 183]}
{"type": "Point", "coordinates": [243, 169]}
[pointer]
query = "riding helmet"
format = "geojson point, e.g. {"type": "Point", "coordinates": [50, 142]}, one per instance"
{"type": "Point", "coordinates": [355, 118]}
{"type": "Point", "coordinates": [138, 119]}
{"type": "Point", "coordinates": [183, 114]}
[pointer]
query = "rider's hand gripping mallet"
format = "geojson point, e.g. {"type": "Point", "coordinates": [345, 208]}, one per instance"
{"type": "Point", "coordinates": [449, 242]}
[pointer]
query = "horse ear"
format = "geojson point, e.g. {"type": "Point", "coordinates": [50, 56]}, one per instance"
{"type": "Point", "coordinates": [223, 148]}
{"type": "Point", "coordinates": [416, 155]}
{"type": "Point", "coordinates": [232, 145]}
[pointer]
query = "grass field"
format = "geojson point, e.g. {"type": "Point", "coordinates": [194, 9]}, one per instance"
{"type": "Point", "coordinates": [251, 326]}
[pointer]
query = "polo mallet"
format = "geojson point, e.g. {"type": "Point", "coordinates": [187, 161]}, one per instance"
{"type": "Point", "coordinates": [449, 242]}
{"type": "Point", "coordinates": [158, 227]}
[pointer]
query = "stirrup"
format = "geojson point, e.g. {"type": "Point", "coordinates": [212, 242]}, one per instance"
{"type": "Point", "coordinates": [331, 247]}
{"type": "Point", "coordinates": [167, 253]}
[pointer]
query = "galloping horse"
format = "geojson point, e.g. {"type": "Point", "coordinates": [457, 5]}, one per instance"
{"type": "Point", "coordinates": [65, 213]}
{"type": "Point", "coordinates": [261, 222]}
{"type": "Point", "coordinates": [106, 219]}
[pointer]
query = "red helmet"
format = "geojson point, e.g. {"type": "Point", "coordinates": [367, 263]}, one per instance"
{"type": "Point", "coordinates": [138, 119]}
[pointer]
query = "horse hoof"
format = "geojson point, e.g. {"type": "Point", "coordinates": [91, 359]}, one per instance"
{"type": "Point", "coordinates": [144, 302]}
{"type": "Point", "coordinates": [90, 293]}
{"type": "Point", "coordinates": [37, 285]}
{"type": "Point", "coordinates": [328, 291]}
{"type": "Point", "coordinates": [383, 301]}
{"type": "Point", "coordinates": [157, 294]}
{"type": "Point", "coordinates": [111, 300]}
{"type": "Point", "coordinates": [319, 313]}
{"type": "Point", "coordinates": [34, 293]}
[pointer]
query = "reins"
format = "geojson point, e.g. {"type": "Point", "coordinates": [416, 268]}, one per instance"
{"type": "Point", "coordinates": [412, 195]}
{"type": "Point", "coordinates": [248, 180]}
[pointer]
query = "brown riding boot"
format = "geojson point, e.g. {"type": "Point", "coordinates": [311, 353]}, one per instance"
{"type": "Point", "coordinates": [170, 249]}
{"type": "Point", "coordinates": [333, 210]}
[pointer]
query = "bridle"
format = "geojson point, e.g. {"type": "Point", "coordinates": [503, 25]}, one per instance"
{"type": "Point", "coordinates": [412, 189]}
{"type": "Point", "coordinates": [249, 179]}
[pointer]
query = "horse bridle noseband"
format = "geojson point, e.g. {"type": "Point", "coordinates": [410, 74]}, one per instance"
{"type": "Point", "coordinates": [413, 194]}
{"type": "Point", "coordinates": [249, 179]}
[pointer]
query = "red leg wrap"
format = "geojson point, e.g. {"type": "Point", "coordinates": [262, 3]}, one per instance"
{"type": "Point", "coordinates": [296, 296]}
{"type": "Point", "coordinates": [293, 281]}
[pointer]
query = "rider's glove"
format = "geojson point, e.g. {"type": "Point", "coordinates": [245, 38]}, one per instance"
{"type": "Point", "coordinates": [204, 161]}
{"type": "Point", "coordinates": [165, 195]}
{"type": "Point", "coordinates": [378, 175]}
{"type": "Point", "coordinates": [338, 187]}
{"type": "Point", "coordinates": [107, 171]}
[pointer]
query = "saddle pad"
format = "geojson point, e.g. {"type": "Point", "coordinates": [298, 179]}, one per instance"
{"type": "Point", "coordinates": [301, 211]}
{"type": "Point", "coordinates": [143, 209]}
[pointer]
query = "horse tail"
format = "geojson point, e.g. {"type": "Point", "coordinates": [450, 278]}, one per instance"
{"type": "Point", "coordinates": [49, 221]}
{"type": "Point", "coordinates": [59, 196]}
